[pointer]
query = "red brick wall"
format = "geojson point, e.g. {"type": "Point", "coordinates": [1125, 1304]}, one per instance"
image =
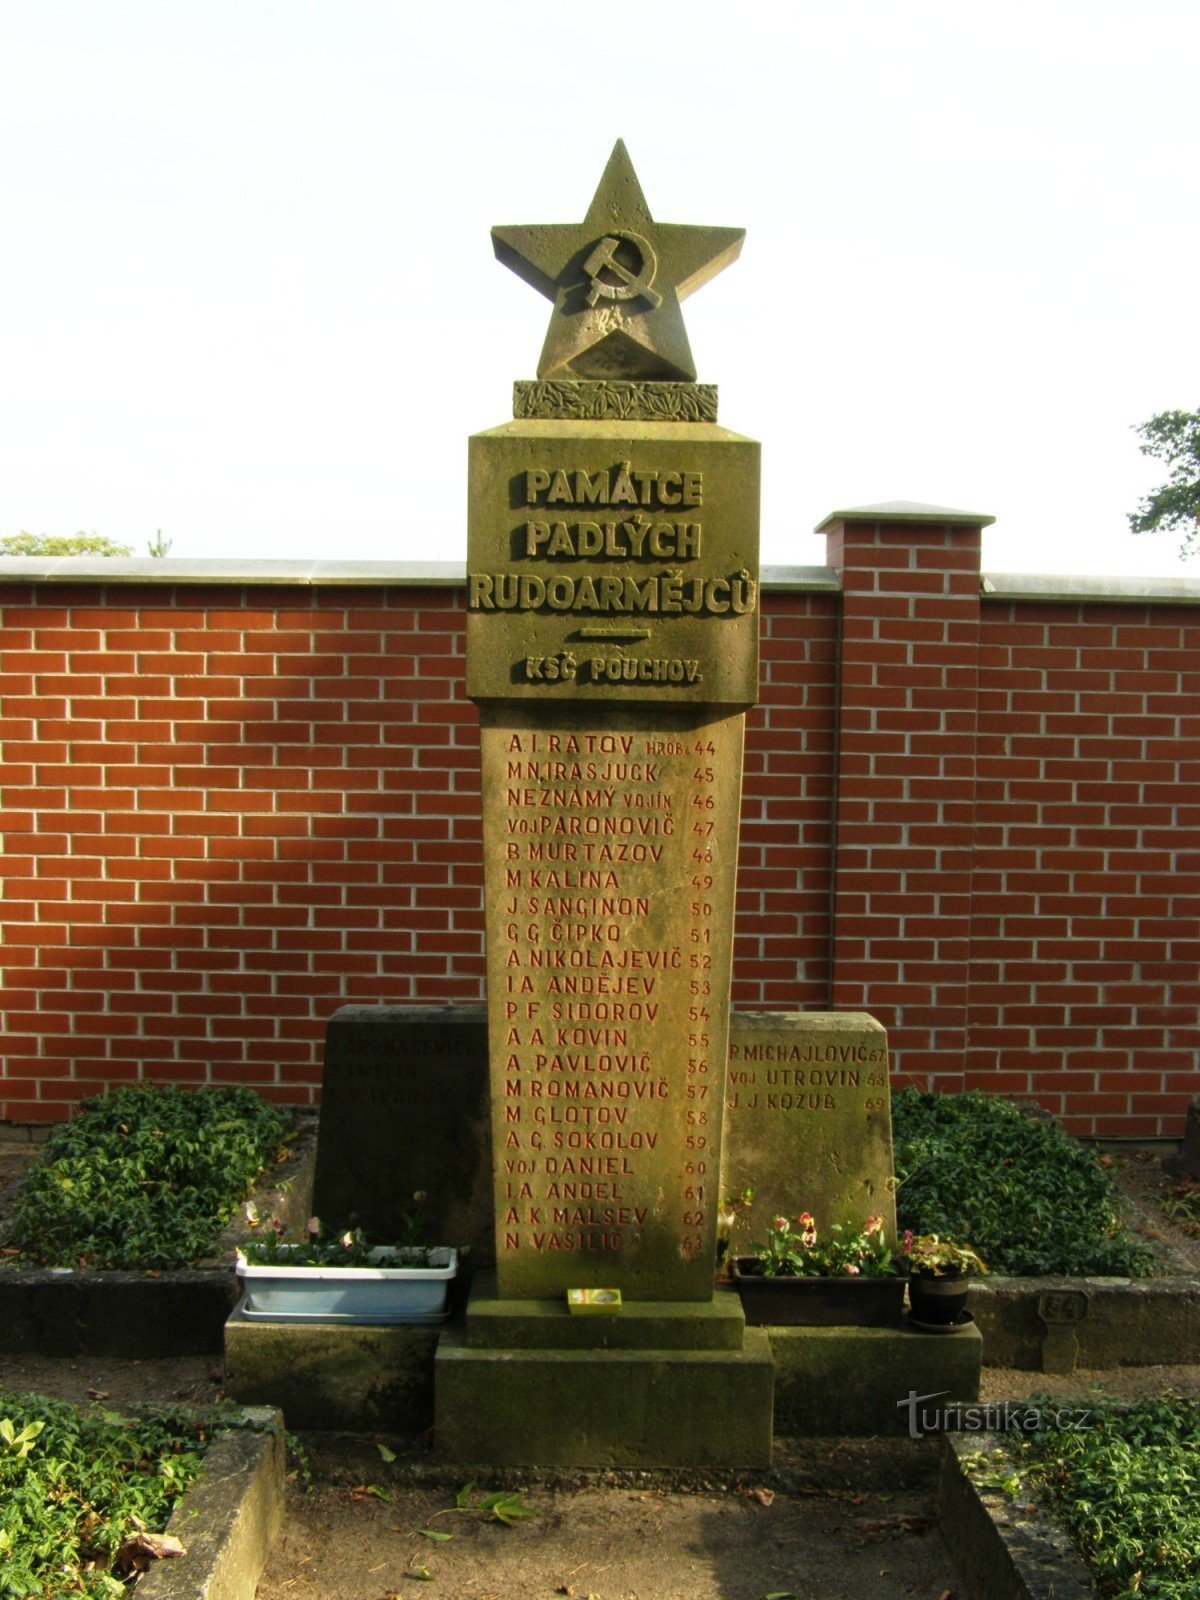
{"type": "Point", "coordinates": [225, 811]}
{"type": "Point", "coordinates": [781, 928]}
{"type": "Point", "coordinates": [1085, 932]}
{"type": "Point", "coordinates": [905, 785]}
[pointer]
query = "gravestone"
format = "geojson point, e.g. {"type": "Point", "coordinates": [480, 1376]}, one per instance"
{"type": "Point", "coordinates": [612, 648]}
{"type": "Point", "coordinates": [402, 1110]}
{"type": "Point", "coordinates": [405, 1105]}
{"type": "Point", "coordinates": [808, 1122]}
{"type": "Point", "coordinates": [1191, 1141]}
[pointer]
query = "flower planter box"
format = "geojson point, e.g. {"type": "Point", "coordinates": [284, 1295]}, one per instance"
{"type": "Point", "coordinates": [817, 1302]}
{"type": "Point", "coordinates": [383, 1292]}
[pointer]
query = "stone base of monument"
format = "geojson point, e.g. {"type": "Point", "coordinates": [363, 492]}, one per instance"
{"type": "Point", "coordinates": [523, 1383]}
{"type": "Point", "coordinates": [495, 1324]}
{"type": "Point", "coordinates": [662, 1384]}
{"type": "Point", "coordinates": [325, 1375]}
{"type": "Point", "coordinates": [852, 1381]}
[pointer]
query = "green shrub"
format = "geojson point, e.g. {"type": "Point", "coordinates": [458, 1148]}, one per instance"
{"type": "Point", "coordinates": [1128, 1490]}
{"type": "Point", "coordinates": [144, 1177]}
{"type": "Point", "coordinates": [1016, 1188]}
{"type": "Point", "coordinates": [76, 1484]}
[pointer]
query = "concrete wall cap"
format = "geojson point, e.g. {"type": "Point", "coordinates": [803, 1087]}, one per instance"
{"type": "Point", "coordinates": [1113, 590]}
{"type": "Point", "coordinates": [905, 511]}
{"type": "Point", "coordinates": [117, 570]}
{"type": "Point", "coordinates": [146, 569]}
{"type": "Point", "coordinates": [374, 574]}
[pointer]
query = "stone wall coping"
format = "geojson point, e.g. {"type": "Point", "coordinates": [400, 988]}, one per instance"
{"type": "Point", "coordinates": [229, 1517]}
{"type": "Point", "coordinates": [111, 570]}
{"type": "Point", "coordinates": [906, 511]}
{"type": "Point", "coordinates": [1006, 1545]}
{"type": "Point", "coordinates": [115, 570]}
{"type": "Point", "coordinates": [167, 571]}
{"type": "Point", "coordinates": [1114, 590]}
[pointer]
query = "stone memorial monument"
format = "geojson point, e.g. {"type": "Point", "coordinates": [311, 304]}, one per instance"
{"type": "Point", "coordinates": [580, 1133]}
{"type": "Point", "coordinates": [612, 648]}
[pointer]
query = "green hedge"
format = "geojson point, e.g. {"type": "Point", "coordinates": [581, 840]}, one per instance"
{"type": "Point", "coordinates": [144, 1177]}
{"type": "Point", "coordinates": [1015, 1187]}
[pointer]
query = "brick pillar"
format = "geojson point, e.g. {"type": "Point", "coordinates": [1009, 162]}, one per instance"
{"type": "Point", "coordinates": [904, 806]}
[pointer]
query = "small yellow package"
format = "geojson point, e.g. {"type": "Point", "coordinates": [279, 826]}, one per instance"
{"type": "Point", "coordinates": [594, 1302]}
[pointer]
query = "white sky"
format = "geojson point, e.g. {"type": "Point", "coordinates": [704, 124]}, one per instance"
{"type": "Point", "coordinates": [247, 292]}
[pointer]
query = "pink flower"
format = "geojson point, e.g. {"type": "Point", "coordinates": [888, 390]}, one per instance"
{"type": "Point", "coordinates": [850, 1270]}
{"type": "Point", "coordinates": [805, 1220]}
{"type": "Point", "coordinates": [874, 1225]}
{"type": "Point", "coordinates": [347, 1241]}
{"type": "Point", "coordinates": [312, 1227]}
{"type": "Point", "coordinates": [780, 1224]}
{"type": "Point", "coordinates": [808, 1238]}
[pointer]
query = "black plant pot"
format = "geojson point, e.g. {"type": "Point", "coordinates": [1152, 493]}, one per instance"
{"type": "Point", "coordinates": [816, 1302]}
{"type": "Point", "coordinates": [938, 1301]}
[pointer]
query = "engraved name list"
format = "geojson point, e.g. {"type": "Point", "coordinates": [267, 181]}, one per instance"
{"type": "Point", "coordinates": [608, 939]}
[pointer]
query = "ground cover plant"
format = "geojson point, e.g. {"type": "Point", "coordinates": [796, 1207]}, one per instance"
{"type": "Point", "coordinates": [144, 1177]}
{"type": "Point", "coordinates": [1017, 1188]}
{"type": "Point", "coordinates": [84, 1492]}
{"type": "Point", "coordinates": [1127, 1487]}
{"type": "Point", "coordinates": [1181, 1202]}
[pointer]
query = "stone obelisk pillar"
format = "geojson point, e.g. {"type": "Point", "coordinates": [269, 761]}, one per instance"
{"type": "Point", "coordinates": [612, 646]}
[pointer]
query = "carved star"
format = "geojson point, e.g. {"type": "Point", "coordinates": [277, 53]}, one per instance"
{"type": "Point", "coordinates": [616, 280]}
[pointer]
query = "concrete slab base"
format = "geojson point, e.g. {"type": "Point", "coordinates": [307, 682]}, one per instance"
{"type": "Point", "coordinates": [333, 1375]}
{"type": "Point", "coordinates": [604, 1407]}
{"type": "Point", "coordinates": [854, 1381]}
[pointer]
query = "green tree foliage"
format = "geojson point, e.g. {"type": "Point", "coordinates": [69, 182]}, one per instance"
{"type": "Point", "coordinates": [1172, 437]}
{"type": "Point", "coordinates": [61, 544]}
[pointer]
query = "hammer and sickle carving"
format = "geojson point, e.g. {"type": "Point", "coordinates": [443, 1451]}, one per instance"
{"type": "Point", "coordinates": [612, 276]}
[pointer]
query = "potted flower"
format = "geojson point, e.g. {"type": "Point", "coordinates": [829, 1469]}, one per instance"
{"type": "Point", "coordinates": [346, 1278]}
{"type": "Point", "coordinates": [938, 1273]}
{"type": "Point", "coordinates": [796, 1277]}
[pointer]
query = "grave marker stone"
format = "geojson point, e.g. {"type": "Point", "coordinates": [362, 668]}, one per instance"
{"type": "Point", "coordinates": [808, 1122]}
{"type": "Point", "coordinates": [406, 1091]}
{"type": "Point", "coordinates": [613, 650]}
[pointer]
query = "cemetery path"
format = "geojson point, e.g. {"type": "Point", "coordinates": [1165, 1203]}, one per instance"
{"type": "Point", "coordinates": [194, 1380]}
{"type": "Point", "coordinates": [829, 1522]}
